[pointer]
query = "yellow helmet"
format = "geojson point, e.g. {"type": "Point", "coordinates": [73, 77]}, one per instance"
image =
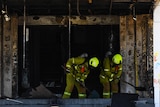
{"type": "Point", "coordinates": [94, 62]}
{"type": "Point", "coordinates": [117, 59]}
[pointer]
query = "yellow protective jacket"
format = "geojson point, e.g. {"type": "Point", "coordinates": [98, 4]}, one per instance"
{"type": "Point", "coordinates": [110, 70]}
{"type": "Point", "coordinates": [78, 66]}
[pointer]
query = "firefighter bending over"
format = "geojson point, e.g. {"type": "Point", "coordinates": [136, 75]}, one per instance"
{"type": "Point", "coordinates": [78, 69]}
{"type": "Point", "coordinates": [110, 75]}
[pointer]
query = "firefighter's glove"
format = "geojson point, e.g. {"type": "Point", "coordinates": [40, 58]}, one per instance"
{"type": "Point", "coordinates": [81, 81]}
{"type": "Point", "coordinates": [110, 79]}
{"type": "Point", "coordinates": [116, 76]}
{"type": "Point", "coordinates": [76, 67]}
{"type": "Point", "coordinates": [67, 70]}
{"type": "Point", "coordinates": [112, 75]}
{"type": "Point", "coordinates": [102, 76]}
{"type": "Point", "coordinates": [78, 79]}
{"type": "Point", "coordinates": [70, 69]}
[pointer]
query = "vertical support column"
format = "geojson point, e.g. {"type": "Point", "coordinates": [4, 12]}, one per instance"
{"type": "Point", "coordinates": [123, 50]}
{"type": "Point", "coordinates": [141, 51]}
{"type": "Point", "coordinates": [9, 61]}
{"type": "Point", "coordinates": [1, 56]}
{"type": "Point", "coordinates": [150, 58]}
{"type": "Point", "coordinates": [14, 47]}
{"type": "Point", "coordinates": [144, 54]}
{"type": "Point", "coordinates": [156, 53]}
{"type": "Point", "coordinates": [127, 50]}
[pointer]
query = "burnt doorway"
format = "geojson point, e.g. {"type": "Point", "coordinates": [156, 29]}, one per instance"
{"type": "Point", "coordinates": [47, 49]}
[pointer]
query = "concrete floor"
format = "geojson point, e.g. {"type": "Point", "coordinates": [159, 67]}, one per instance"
{"type": "Point", "coordinates": [144, 102]}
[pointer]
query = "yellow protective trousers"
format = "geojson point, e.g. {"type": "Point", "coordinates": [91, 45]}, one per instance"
{"type": "Point", "coordinates": [70, 83]}
{"type": "Point", "coordinates": [109, 87]}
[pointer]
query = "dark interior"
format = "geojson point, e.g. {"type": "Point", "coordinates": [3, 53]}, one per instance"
{"type": "Point", "coordinates": [47, 50]}
{"type": "Point", "coordinates": [61, 7]}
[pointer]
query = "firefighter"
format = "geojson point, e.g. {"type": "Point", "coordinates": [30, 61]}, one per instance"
{"type": "Point", "coordinates": [78, 69]}
{"type": "Point", "coordinates": [110, 74]}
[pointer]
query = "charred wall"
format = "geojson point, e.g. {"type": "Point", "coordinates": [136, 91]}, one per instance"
{"type": "Point", "coordinates": [136, 41]}
{"type": "Point", "coordinates": [42, 51]}
{"type": "Point", "coordinates": [9, 57]}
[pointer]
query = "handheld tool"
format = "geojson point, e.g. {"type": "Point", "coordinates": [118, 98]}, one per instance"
{"type": "Point", "coordinates": [137, 88]}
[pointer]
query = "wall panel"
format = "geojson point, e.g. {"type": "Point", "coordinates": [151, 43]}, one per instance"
{"type": "Point", "coordinates": [14, 62]}
{"type": "Point", "coordinates": [9, 54]}
{"type": "Point", "coordinates": [134, 48]}
{"type": "Point", "coordinates": [127, 51]}
{"type": "Point", "coordinates": [0, 56]}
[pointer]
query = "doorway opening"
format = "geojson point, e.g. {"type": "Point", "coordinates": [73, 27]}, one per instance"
{"type": "Point", "coordinates": [47, 50]}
